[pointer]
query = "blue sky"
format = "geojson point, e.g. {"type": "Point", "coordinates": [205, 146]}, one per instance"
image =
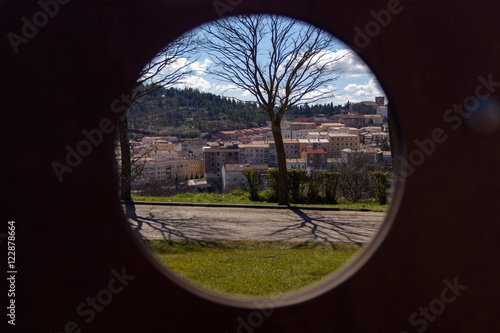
{"type": "Point", "coordinates": [355, 84]}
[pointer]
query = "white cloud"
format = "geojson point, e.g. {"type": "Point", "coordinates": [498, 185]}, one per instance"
{"type": "Point", "coordinates": [198, 82]}
{"type": "Point", "coordinates": [178, 64]}
{"type": "Point", "coordinates": [195, 82]}
{"type": "Point", "coordinates": [347, 61]}
{"type": "Point", "coordinates": [367, 90]}
{"type": "Point", "coordinates": [221, 88]}
{"type": "Point", "coordinates": [200, 68]}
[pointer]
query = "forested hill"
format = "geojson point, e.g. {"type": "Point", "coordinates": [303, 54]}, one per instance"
{"type": "Point", "coordinates": [188, 113]}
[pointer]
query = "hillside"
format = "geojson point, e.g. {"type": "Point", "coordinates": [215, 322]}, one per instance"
{"type": "Point", "coordinates": [188, 113]}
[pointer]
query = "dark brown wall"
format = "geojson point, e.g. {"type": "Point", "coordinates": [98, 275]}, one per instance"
{"type": "Point", "coordinates": [72, 234]}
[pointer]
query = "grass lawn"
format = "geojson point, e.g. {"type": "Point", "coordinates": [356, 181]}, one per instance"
{"type": "Point", "coordinates": [252, 268]}
{"type": "Point", "coordinates": [239, 197]}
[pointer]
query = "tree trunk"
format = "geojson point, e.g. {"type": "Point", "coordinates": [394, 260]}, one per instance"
{"type": "Point", "coordinates": [282, 172]}
{"type": "Point", "coordinates": [126, 170]}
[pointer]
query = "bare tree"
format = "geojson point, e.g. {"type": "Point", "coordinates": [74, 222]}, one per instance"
{"type": "Point", "coordinates": [279, 61]}
{"type": "Point", "coordinates": [167, 68]}
{"type": "Point", "coordinates": [138, 160]}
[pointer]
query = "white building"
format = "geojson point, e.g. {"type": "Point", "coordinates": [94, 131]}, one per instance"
{"type": "Point", "coordinates": [294, 134]}
{"type": "Point", "coordinates": [164, 170]}
{"type": "Point", "coordinates": [296, 163]}
{"type": "Point", "coordinates": [382, 111]}
{"type": "Point", "coordinates": [161, 155]}
{"type": "Point", "coordinates": [232, 174]}
{"type": "Point", "coordinates": [316, 135]}
{"type": "Point", "coordinates": [329, 126]}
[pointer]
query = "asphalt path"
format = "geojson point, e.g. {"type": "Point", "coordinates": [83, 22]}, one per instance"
{"type": "Point", "coordinates": [156, 222]}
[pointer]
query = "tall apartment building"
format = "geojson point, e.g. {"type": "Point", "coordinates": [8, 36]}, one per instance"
{"type": "Point", "coordinates": [291, 151]}
{"type": "Point", "coordinates": [196, 168]}
{"type": "Point", "coordinates": [305, 144]}
{"type": "Point", "coordinates": [294, 134]}
{"type": "Point", "coordinates": [339, 141]}
{"type": "Point", "coordinates": [164, 170]}
{"type": "Point", "coordinates": [215, 156]}
{"type": "Point", "coordinates": [315, 159]}
{"type": "Point", "coordinates": [255, 153]}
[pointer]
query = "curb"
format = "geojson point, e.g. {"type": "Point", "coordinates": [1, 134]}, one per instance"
{"type": "Point", "coordinates": [215, 205]}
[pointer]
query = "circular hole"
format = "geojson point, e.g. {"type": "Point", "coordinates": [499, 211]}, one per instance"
{"type": "Point", "coordinates": [218, 111]}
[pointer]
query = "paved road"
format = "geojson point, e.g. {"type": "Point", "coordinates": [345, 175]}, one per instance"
{"type": "Point", "coordinates": [216, 223]}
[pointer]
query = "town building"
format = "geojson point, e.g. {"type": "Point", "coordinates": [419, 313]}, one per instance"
{"type": "Point", "coordinates": [329, 126]}
{"type": "Point", "coordinates": [374, 138]}
{"type": "Point", "coordinates": [382, 111]}
{"type": "Point", "coordinates": [294, 134]}
{"type": "Point", "coordinates": [296, 163]}
{"type": "Point", "coordinates": [164, 171]}
{"type": "Point", "coordinates": [215, 156]}
{"type": "Point", "coordinates": [305, 144]}
{"type": "Point", "coordinates": [365, 155]}
{"type": "Point", "coordinates": [233, 176]}
{"type": "Point", "coordinates": [351, 119]}
{"type": "Point", "coordinates": [316, 135]}
{"type": "Point", "coordinates": [339, 141]}
{"type": "Point", "coordinates": [373, 119]}
{"type": "Point", "coordinates": [368, 107]}
{"type": "Point", "coordinates": [166, 145]}
{"type": "Point", "coordinates": [255, 153]}
{"type": "Point", "coordinates": [315, 159]}
{"type": "Point", "coordinates": [194, 148]}
{"type": "Point", "coordinates": [302, 125]}
{"type": "Point", "coordinates": [160, 155]}
{"type": "Point", "coordinates": [149, 140]}
{"type": "Point", "coordinates": [196, 168]}
{"type": "Point", "coordinates": [291, 151]}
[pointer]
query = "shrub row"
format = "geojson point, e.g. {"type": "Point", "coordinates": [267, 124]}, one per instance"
{"type": "Point", "coordinates": [316, 187]}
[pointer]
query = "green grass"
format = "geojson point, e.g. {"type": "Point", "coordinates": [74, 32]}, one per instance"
{"type": "Point", "coordinates": [252, 268]}
{"type": "Point", "coordinates": [240, 197]}
{"type": "Point", "coordinates": [231, 198]}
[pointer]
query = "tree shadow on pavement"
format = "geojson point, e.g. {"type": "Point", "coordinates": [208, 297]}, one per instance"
{"type": "Point", "coordinates": [321, 229]}
{"type": "Point", "coordinates": [174, 228]}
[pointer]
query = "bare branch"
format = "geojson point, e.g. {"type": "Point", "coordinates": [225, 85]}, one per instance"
{"type": "Point", "coordinates": [277, 60]}
{"type": "Point", "coordinates": [168, 67]}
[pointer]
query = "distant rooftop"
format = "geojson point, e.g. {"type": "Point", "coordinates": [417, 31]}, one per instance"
{"type": "Point", "coordinates": [295, 160]}
{"type": "Point", "coordinates": [243, 167]}
{"type": "Point", "coordinates": [342, 134]}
